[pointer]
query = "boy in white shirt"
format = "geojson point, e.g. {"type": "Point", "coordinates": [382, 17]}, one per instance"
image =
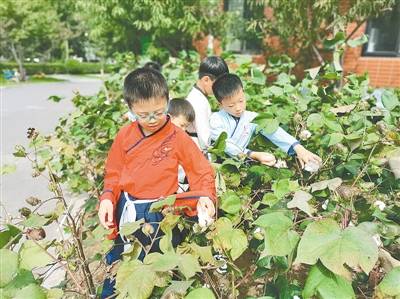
{"type": "Point", "coordinates": [210, 69]}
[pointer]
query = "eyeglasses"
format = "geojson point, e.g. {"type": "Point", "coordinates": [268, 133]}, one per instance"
{"type": "Point", "coordinates": [147, 117]}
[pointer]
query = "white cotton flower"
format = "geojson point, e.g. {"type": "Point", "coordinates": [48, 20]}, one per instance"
{"type": "Point", "coordinates": [296, 297]}
{"type": "Point", "coordinates": [280, 164]}
{"type": "Point", "coordinates": [325, 204]}
{"type": "Point", "coordinates": [380, 204]}
{"type": "Point", "coordinates": [305, 134]}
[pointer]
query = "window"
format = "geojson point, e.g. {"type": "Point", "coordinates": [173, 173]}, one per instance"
{"type": "Point", "coordinates": [384, 35]}
{"type": "Point", "coordinates": [239, 39]}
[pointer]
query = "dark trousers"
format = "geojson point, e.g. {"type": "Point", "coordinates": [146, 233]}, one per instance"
{"type": "Point", "coordinates": [142, 212]}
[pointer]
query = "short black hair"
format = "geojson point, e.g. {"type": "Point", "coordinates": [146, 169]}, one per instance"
{"type": "Point", "coordinates": [226, 86]}
{"type": "Point", "coordinates": [144, 84]}
{"type": "Point", "coordinates": [153, 65]}
{"type": "Point", "coordinates": [179, 106]}
{"type": "Point", "coordinates": [213, 66]}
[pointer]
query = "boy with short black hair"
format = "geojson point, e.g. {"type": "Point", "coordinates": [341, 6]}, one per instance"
{"type": "Point", "coordinates": [210, 69]}
{"type": "Point", "coordinates": [237, 123]}
{"type": "Point", "coordinates": [142, 167]}
{"type": "Point", "coordinates": [181, 112]}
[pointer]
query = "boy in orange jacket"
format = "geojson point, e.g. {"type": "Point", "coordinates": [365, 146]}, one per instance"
{"type": "Point", "coordinates": [142, 166]}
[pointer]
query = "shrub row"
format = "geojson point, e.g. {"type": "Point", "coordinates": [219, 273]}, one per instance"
{"type": "Point", "coordinates": [69, 67]}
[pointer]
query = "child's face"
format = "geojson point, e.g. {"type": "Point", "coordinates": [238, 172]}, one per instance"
{"type": "Point", "coordinates": [234, 105]}
{"type": "Point", "coordinates": [180, 121]}
{"type": "Point", "coordinates": [151, 114]}
{"type": "Point", "coordinates": [207, 84]}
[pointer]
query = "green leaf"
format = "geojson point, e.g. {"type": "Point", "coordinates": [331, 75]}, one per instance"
{"type": "Point", "coordinates": [315, 121]}
{"type": "Point", "coordinates": [357, 41]}
{"type": "Point", "coordinates": [276, 91]}
{"type": "Point", "coordinates": [220, 144]}
{"type": "Point", "coordinates": [224, 238]}
{"type": "Point", "coordinates": [8, 168]}
{"type": "Point", "coordinates": [55, 294]}
{"type": "Point", "coordinates": [164, 262]}
{"type": "Point", "coordinates": [266, 123]}
{"type": "Point", "coordinates": [390, 285]}
{"type": "Point", "coordinates": [270, 199]}
{"type": "Point", "coordinates": [201, 293]}
{"type": "Point", "coordinates": [325, 240]}
{"type": "Point", "coordinates": [330, 44]}
{"type": "Point", "coordinates": [35, 220]}
{"type": "Point", "coordinates": [32, 291]}
{"type": "Point", "coordinates": [177, 288]}
{"type": "Point", "coordinates": [335, 138]}
{"type": "Point", "coordinates": [332, 184]}
{"type": "Point", "coordinates": [239, 243]}
{"type": "Point", "coordinates": [300, 201]}
{"type": "Point", "coordinates": [281, 188]}
{"type": "Point", "coordinates": [129, 228]}
{"type": "Point", "coordinates": [188, 265]}
{"type": "Point", "coordinates": [203, 252]}
{"type": "Point", "coordinates": [322, 283]}
{"type": "Point", "coordinates": [9, 233]}
{"type": "Point", "coordinates": [333, 125]}
{"type": "Point", "coordinates": [32, 256]}
{"type": "Point", "coordinates": [257, 77]}
{"type": "Point", "coordinates": [135, 280]}
{"type": "Point", "coordinates": [390, 100]}
{"type": "Point", "coordinates": [230, 202]}
{"type": "Point", "coordinates": [9, 266]}
{"type": "Point", "coordinates": [158, 205]}
{"type": "Point", "coordinates": [280, 240]}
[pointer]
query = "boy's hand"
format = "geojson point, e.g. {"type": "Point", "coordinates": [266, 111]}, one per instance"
{"type": "Point", "coordinates": [264, 158]}
{"type": "Point", "coordinates": [106, 213]}
{"type": "Point", "coordinates": [305, 156]}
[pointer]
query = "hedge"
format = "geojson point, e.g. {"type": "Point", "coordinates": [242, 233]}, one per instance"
{"type": "Point", "coordinates": [69, 67]}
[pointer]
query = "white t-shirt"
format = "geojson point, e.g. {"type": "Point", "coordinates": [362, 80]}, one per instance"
{"type": "Point", "coordinates": [202, 111]}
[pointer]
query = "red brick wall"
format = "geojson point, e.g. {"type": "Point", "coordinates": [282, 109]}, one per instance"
{"type": "Point", "coordinates": [383, 71]}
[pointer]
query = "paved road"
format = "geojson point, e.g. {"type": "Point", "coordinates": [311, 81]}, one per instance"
{"type": "Point", "coordinates": [23, 106]}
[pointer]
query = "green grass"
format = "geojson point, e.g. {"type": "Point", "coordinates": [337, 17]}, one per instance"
{"type": "Point", "coordinates": [31, 79]}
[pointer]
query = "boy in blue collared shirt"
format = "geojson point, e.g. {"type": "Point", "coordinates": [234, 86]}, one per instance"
{"type": "Point", "coordinates": [237, 123]}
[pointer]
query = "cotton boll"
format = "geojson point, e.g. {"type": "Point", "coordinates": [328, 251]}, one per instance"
{"type": "Point", "coordinates": [204, 219]}
{"type": "Point", "coordinates": [380, 204]}
{"type": "Point", "coordinates": [280, 164]}
{"type": "Point", "coordinates": [312, 166]}
{"type": "Point", "coordinates": [305, 134]}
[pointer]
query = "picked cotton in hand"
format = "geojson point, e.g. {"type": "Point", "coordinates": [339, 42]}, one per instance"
{"type": "Point", "coordinates": [204, 219]}
{"type": "Point", "coordinates": [280, 164]}
{"type": "Point", "coordinates": [312, 166]}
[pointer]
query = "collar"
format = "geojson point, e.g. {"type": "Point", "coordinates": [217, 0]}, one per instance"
{"type": "Point", "coordinates": [163, 128]}
{"type": "Point", "coordinates": [199, 89]}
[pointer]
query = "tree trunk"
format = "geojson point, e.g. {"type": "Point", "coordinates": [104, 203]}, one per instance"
{"type": "Point", "coordinates": [21, 69]}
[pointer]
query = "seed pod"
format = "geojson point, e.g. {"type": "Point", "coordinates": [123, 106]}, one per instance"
{"type": "Point", "coordinates": [35, 173]}
{"type": "Point", "coordinates": [36, 234]}
{"type": "Point", "coordinates": [25, 211]}
{"type": "Point", "coordinates": [33, 201]}
{"type": "Point", "coordinates": [347, 192]}
{"type": "Point", "coordinates": [148, 229]}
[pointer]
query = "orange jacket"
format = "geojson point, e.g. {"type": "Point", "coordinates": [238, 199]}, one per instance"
{"type": "Point", "coordinates": [147, 166]}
